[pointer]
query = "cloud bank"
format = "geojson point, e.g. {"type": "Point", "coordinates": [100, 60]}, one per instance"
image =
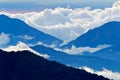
{"type": "Point", "coordinates": [106, 73]}
{"type": "Point", "coordinates": [66, 23]}
{"type": "Point", "coordinates": [4, 39]}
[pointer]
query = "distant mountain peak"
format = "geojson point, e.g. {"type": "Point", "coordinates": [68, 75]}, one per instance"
{"type": "Point", "coordinates": [105, 34]}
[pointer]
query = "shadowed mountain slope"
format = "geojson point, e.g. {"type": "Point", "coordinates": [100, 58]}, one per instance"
{"type": "Point", "coordinates": [27, 66]}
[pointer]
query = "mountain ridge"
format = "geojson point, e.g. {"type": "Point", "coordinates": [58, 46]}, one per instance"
{"type": "Point", "coordinates": [20, 31]}
{"type": "Point", "coordinates": [26, 66]}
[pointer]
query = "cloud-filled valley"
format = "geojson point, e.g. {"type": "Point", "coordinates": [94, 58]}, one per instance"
{"type": "Point", "coordinates": [66, 23]}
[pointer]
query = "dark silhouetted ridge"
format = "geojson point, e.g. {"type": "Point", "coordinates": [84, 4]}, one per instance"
{"type": "Point", "coordinates": [27, 66]}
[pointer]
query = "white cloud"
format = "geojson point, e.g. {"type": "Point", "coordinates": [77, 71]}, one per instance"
{"type": "Point", "coordinates": [4, 39]}
{"type": "Point", "coordinates": [66, 23]}
{"type": "Point", "coordinates": [117, 3]}
{"type": "Point", "coordinates": [21, 47]}
{"type": "Point", "coordinates": [106, 73]}
{"type": "Point", "coordinates": [75, 51]}
{"type": "Point", "coordinates": [26, 37]}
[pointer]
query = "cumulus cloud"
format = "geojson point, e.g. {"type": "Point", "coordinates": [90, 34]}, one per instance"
{"type": "Point", "coordinates": [66, 23]}
{"type": "Point", "coordinates": [75, 51]}
{"type": "Point", "coordinates": [106, 73]}
{"type": "Point", "coordinates": [4, 39]}
{"type": "Point", "coordinates": [21, 47]}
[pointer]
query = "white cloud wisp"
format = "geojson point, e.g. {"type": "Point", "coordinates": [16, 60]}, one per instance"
{"type": "Point", "coordinates": [106, 73]}
{"type": "Point", "coordinates": [78, 51]}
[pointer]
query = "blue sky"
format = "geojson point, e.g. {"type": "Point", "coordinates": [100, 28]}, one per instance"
{"type": "Point", "coordinates": [37, 5]}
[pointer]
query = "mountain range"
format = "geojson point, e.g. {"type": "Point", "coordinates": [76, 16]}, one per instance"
{"type": "Point", "coordinates": [107, 34]}
{"type": "Point", "coordinates": [20, 31]}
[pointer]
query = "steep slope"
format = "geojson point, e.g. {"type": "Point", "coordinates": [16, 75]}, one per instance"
{"type": "Point", "coordinates": [20, 31]}
{"type": "Point", "coordinates": [27, 66]}
{"type": "Point", "coordinates": [94, 62]}
{"type": "Point", "coordinates": [105, 34]}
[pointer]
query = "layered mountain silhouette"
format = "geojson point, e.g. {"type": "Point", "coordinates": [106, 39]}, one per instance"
{"type": "Point", "coordinates": [89, 60]}
{"type": "Point", "coordinates": [107, 57]}
{"type": "Point", "coordinates": [20, 31]}
{"type": "Point", "coordinates": [28, 66]}
{"type": "Point", "coordinates": [105, 34]}
{"type": "Point", "coordinates": [110, 53]}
